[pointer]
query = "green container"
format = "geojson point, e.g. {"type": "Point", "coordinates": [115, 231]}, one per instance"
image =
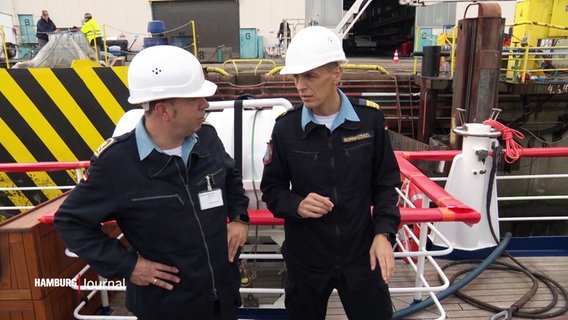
{"type": "Point", "coordinates": [220, 54]}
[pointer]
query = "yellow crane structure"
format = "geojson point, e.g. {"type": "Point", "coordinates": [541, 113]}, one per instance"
{"type": "Point", "coordinates": [538, 26]}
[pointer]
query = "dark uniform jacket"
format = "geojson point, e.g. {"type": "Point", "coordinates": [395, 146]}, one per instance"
{"type": "Point", "coordinates": [155, 203]}
{"type": "Point", "coordinates": [43, 27]}
{"type": "Point", "coordinates": [355, 167]}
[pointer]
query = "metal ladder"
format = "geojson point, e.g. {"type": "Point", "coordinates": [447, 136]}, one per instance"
{"type": "Point", "coordinates": [352, 15]}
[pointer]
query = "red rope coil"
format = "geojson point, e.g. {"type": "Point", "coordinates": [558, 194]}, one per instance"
{"type": "Point", "coordinates": [513, 149]}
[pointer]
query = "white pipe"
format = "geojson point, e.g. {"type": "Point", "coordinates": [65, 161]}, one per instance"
{"type": "Point", "coordinates": [252, 103]}
{"type": "Point", "coordinates": [535, 176]}
{"type": "Point", "coordinates": [261, 256]}
{"type": "Point", "coordinates": [532, 198]}
{"type": "Point", "coordinates": [559, 218]}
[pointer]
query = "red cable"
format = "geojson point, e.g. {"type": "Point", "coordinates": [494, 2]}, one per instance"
{"type": "Point", "coordinates": [513, 149]}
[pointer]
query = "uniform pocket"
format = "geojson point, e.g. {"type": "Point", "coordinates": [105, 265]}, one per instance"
{"type": "Point", "coordinates": [305, 164]}
{"type": "Point", "coordinates": [359, 155]}
{"type": "Point", "coordinates": [213, 179]}
{"type": "Point", "coordinates": [165, 197]}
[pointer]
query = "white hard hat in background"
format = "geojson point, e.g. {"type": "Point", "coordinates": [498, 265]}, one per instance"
{"type": "Point", "coordinates": [313, 47]}
{"type": "Point", "coordinates": [161, 72]}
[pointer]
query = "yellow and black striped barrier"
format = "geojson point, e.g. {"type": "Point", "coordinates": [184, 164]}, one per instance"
{"type": "Point", "coordinates": [55, 115]}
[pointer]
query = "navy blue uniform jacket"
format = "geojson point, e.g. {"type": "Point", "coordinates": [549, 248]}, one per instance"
{"type": "Point", "coordinates": [43, 27]}
{"type": "Point", "coordinates": [356, 168]}
{"type": "Point", "coordinates": [155, 203]}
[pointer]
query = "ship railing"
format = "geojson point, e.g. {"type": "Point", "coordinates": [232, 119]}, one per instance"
{"type": "Point", "coordinates": [555, 152]}
{"type": "Point", "coordinates": [535, 63]}
{"type": "Point", "coordinates": [75, 168]}
{"type": "Point", "coordinates": [416, 257]}
{"type": "Point", "coordinates": [522, 62]}
{"type": "Point", "coordinates": [413, 219]}
{"type": "Point", "coordinates": [257, 65]}
{"type": "Point", "coordinates": [421, 255]}
{"type": "Point", "coordinates": [528, 198]}
{"type": "Point", "coordinates": [527, 62]}
{"type": "Point", "coordinates": [422, 283]}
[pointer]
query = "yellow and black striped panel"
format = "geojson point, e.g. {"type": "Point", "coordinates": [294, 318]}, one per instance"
{"type": "Point", "coordinates": [55, 115]}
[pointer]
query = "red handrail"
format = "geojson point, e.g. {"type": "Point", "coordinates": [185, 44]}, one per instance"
{"type": "Point", "coordinates": [448, 155]}
{"type": "Point", "coordinates": [448, 207]}
{"type": "Point", "coordinates": [43, 166]}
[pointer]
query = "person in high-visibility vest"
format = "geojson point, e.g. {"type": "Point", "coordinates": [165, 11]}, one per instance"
{"type": "Point", "coordinates": [92, 32]}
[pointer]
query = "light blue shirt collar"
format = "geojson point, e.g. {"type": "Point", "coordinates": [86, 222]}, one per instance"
{"type": "Point", "coordinates": [146, 145]}
{"type": "Point", "coordinates": [346, 112]}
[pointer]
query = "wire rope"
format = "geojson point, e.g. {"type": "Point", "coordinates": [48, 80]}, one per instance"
{"type": "Point", "coordinates": [554, 287]}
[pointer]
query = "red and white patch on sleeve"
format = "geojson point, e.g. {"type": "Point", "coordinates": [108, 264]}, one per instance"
{"type": "Point", "coordinates": [268, 153]}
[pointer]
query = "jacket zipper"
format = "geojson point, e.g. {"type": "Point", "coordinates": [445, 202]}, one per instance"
{"type": "Point", "coordinates": [193, 207]}
{"type": "Point", "coordinates": [336, 222]}
{"type": "Point", "coordinates": [210, 177]}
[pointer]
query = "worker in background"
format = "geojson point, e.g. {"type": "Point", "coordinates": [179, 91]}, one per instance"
{"type": "Point", "coordinates": [171, 187]}
{"type": "Point", "coordinates": [284, 32]}
{"type": "Point", "coordinates": [92, 32]}
{"type": "Point", "coordinates": [44, 26]}
{"type": "Point", "coordinates": [331, 173]}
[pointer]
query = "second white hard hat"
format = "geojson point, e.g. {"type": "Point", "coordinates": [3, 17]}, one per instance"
{"type": "Point", "coordinates": [313, 47]}
{"type": "Point", "coordinates": [164, 71]}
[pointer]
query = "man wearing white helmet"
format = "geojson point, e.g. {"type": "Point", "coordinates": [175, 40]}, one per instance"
{"type": "Point", "coordinates": [171, 187]}
{"type": "Point", "coordinates": [327, 164]}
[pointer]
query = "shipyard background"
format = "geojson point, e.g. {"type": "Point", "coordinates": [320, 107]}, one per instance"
{"type": "Point", "coordinates": [239, 30]}
{"type": "Point", "coordinates": [62, 114]}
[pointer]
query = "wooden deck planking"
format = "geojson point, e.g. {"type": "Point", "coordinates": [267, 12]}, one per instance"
{"type": "Point", "coordinates": [500, 288]}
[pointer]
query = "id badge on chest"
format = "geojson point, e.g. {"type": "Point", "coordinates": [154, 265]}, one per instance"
{"type": "Point", "coordinates": [211, 198]}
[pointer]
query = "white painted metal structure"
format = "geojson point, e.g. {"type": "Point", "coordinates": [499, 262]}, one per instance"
{"type": "Point", "coordinates": [468, 182]}
{"type": "Point", "coordinates": [259, 116]}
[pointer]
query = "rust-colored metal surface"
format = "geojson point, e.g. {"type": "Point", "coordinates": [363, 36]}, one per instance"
{"type": "Point", "coordinates": [478, 60]}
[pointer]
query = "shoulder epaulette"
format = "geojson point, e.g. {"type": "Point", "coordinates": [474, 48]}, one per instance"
{"type": "Point", "coordinates": [286, 111]}
{"type": "Point", "coordinates": [282, 114]}
{"type": "Point", "coordinates": [364, 103]}
{"type": "Point", "coordinates": [104, 146]}
{"type": "Point", "coordinates": [372, 104]}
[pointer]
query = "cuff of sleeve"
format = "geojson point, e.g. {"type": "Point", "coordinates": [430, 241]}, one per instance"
{"type": "Point", "coordinates": [242, 218]}
{"type": "Point", "coordinates": [390, 236]}
{"type": "Point", "coordinates": [129, 263]}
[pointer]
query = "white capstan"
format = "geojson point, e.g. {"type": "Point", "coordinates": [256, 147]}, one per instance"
{"type": "Point", "coordinates": [313, 47]}
{"type": "Point", "coordinates": [164, 71]}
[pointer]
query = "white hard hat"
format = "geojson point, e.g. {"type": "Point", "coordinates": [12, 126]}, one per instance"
{"type": "Point", "coordinates": [161, 72]}
{"type": "Point", "coordinates": [313, 47]}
